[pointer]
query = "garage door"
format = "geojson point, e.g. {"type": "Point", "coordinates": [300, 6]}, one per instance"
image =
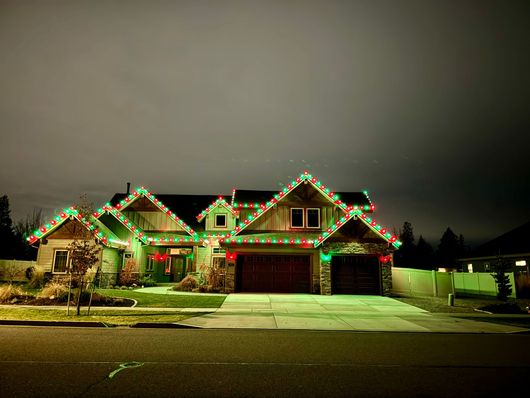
{"type": "Point", "coordinates": [355, 275]}
{"type": "Point", "coordinates": [274, 274]}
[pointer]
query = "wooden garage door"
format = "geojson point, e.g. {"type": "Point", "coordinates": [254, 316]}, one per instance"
{"type": "Point", "coordinates": [355, 275]}
{"type": "Point", "coordinates": [274, 274]}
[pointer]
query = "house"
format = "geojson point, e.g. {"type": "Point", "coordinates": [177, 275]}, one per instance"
{"type": "Point", "coordinates": [304, 239]}
{"type": "Point", "coordinates": [513, 246]}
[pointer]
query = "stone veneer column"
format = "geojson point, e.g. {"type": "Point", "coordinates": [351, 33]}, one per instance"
{"type": "Point", "coordinates": [386, 278]}
{"type": "Point", "coordinates": [230, 277]}
{"type": "Point", "coordinates": [325, 277]}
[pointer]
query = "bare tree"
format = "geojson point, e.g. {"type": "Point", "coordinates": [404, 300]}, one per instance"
{"type": "Point", "coordinates": [84, 251]}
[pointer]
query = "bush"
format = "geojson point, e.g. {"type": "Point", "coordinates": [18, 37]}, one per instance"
{"type": "Point", "coordinates": [129, 273]}
{"type": "Point", "coordinates": [54, 290]}
{"type": "Point", "coordinates": [37, 279]}
{"type": "Point", "coordinates": [187, 284]}
{"type": "Point", "coordinates": [147, 281]}
{"type": "Point", "coordinates": [11, 293]}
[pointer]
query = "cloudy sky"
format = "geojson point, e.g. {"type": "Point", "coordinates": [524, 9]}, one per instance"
{"type": "Point", "coordinates": [423, 103]}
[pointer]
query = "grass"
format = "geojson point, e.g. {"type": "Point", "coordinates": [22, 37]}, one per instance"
{"type": "Point", "coordinates": [112, 317]}
{"type": "Point", "coordinates": [166, 300]}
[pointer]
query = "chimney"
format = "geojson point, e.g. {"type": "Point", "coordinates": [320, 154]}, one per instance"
{"type": "Point", "coordinates": [128, 188]}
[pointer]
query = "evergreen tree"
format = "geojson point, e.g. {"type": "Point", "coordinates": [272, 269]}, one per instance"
{"type": "Point", "coordinates": [405, 256]}
{"type": "Point", "coordinates": [424, 254]}
{"type": "Point", "coordinates": [23, 228]}
{"type": "Point", "coordinates": [501, 278]}
{"type": "Point", "coordinates": [448, 249]}
{"type": "Point", "coordinates": [7, 235]}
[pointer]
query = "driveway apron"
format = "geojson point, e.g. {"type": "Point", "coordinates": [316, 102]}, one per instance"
{"type": "Point", "coordinates": [338, 312]}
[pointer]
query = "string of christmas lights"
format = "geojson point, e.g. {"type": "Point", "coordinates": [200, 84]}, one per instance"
{"type": "Point", "coordinates": [219, 202]}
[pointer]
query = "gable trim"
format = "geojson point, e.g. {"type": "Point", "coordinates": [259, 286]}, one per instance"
{"type": "Point", "coordinates": [305, 177]}
{"type": "Point", "coordinates": [219, 202]}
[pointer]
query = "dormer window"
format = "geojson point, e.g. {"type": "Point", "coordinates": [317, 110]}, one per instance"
{"type": "Point", "coordinates": [220, 221]}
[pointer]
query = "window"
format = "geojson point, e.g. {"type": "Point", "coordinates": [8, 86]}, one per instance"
{"type": "Point", "coordinates": [220, 221]}
{"type": "Point", "coordinates": [218, 250]}
{"type": "Point", "coordinates": [486, 267]}
{"type": "Point", "coordinates": [150, 266]}
{"type": "Point", "coordinates": [470, 268]}
{"type": "Point", "coordinates": [520, 263]}
{"type": "Point", "coordinates": [313, 218]}
{"type": "Point", "coordinates": [297, 218]}
{"type": "Point", "coordinates": [305, 218]}
{"type": "Point", "coordinates": [126, 257]}
{"type": "Point", "coordinates": [167, 268]}
{"type": "Point", "coordinates": [60, 261]}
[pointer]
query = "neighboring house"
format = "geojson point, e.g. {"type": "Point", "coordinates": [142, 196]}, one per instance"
{"type": "Point", "coordinates": [304, 238]}
{"type": "Point", "coordinates": [513, 246]}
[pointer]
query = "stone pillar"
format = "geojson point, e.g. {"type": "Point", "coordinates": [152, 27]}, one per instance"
{"type": "Point", "coordinates": [230, 276]}
{"type": "Point", "coordinates": [325, 276]}
{"type": "Point", "coordinates": [386, 278]}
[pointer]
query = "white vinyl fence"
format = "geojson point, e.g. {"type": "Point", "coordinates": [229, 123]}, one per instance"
{"type": "Point", "coordinates": [416, 282]}
{"type": "Point", "coordinates": [479, 283]}
{"type": "Point", "coordinates": [14, 270]}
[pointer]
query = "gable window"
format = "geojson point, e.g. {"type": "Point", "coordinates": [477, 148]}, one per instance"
{"type": "Point", "coordinates": [297, 218]}
{"type": "Point", "coordinates": [220, 221]}
{"type": "Point", "coordinates": [60, 261]}
{"type": "Point", "coordinates": [313, 218]}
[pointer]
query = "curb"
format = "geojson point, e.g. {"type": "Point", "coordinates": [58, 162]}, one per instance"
{"type": "Point", "coordinates": [161, 325]}
{"type": "Point", "coordinates": [90, 324]}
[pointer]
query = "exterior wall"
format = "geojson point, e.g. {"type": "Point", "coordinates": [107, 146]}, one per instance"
{"type": "Point", "coordinates": [486, 264]}
{"type": "Point", "coordinates": [152, 220]}
{"type": "Point", "coordinates": [354, 248]}
{"type": "Point", "coordinates": [315, 262]}
{"type": "Point", "coordinates": [279, 218]}
{"type": "Point", "coordinates": [209, 222]}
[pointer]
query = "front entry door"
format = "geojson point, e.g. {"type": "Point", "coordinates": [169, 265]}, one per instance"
{"type": "Point", "coordinates": [178, 268]}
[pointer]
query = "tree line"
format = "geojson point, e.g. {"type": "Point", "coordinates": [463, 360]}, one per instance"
{"type": "Point", "coordinates": [421, 254]}
{"type": "Point", "coordinates": [13, 236]}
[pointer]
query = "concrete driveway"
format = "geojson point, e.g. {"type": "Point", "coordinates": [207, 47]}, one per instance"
{"type": "Point", "coordinates": [340, 312]}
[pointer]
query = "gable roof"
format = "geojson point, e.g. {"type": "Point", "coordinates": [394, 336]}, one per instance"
{"type": "Point", "coordinates": [516, 241]}
{"type": "Point", "coordinates": [138, 193]}
{"type": "Point", "coordinates": [218, 203]}
{"type": "Point", "coordinates": [353, 204]}
{"type": "Point", "coordinates": [187, 206]}
{"type": "Point", "coordinates": [262, 208]}
{"type": "Point", "coordinates": [92, 224]}
{"type": "Point", "coordinates": [152, 238]}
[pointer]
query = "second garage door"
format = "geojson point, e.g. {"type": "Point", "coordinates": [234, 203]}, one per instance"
{"type": "Point", "coordinates": [355, 275]}
{"type": "Point", "coordinates": [273, 273]}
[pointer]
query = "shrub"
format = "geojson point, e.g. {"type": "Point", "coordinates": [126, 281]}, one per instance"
{"type": "Point", "coordinates": [187, 284]}
{"type": "Point", "coordinates": [54, 290]}
{"type": "Point", "coordinates": [129, 273]}
{"type": "Point", "coordinates": [37, 279]}
{"type": "Point", "coordinates": [147, 281]}
{"type": "Point", "coordinates": [10, 293]}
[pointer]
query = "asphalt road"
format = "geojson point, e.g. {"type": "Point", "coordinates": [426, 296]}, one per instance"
{"type": "Point", "coordinates": [73, 362]}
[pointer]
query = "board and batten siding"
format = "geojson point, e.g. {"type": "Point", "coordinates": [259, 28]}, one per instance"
{"type": "Point", "coordinates": [153, 221]}
{"type": "Point", "coordinates": [279, 218]}
{"type": "Point", "coordinates": [111, 260]}
{"type": "Point", "coordinates": [210, 220]}
{"type": "Point", "coordinates": [204, 257]}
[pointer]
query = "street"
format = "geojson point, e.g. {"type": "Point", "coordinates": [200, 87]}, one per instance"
{"type": "Point", "coordinates": [58, 361]}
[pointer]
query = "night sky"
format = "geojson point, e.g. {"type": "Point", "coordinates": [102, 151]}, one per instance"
{"type": "Point", "coordinates": [423, 103]}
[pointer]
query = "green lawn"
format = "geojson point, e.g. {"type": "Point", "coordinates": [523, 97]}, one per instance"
{"type": "Point", "coordinates": [166, 300]}
{"type": "Point", "coordinates": [111, 317]}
